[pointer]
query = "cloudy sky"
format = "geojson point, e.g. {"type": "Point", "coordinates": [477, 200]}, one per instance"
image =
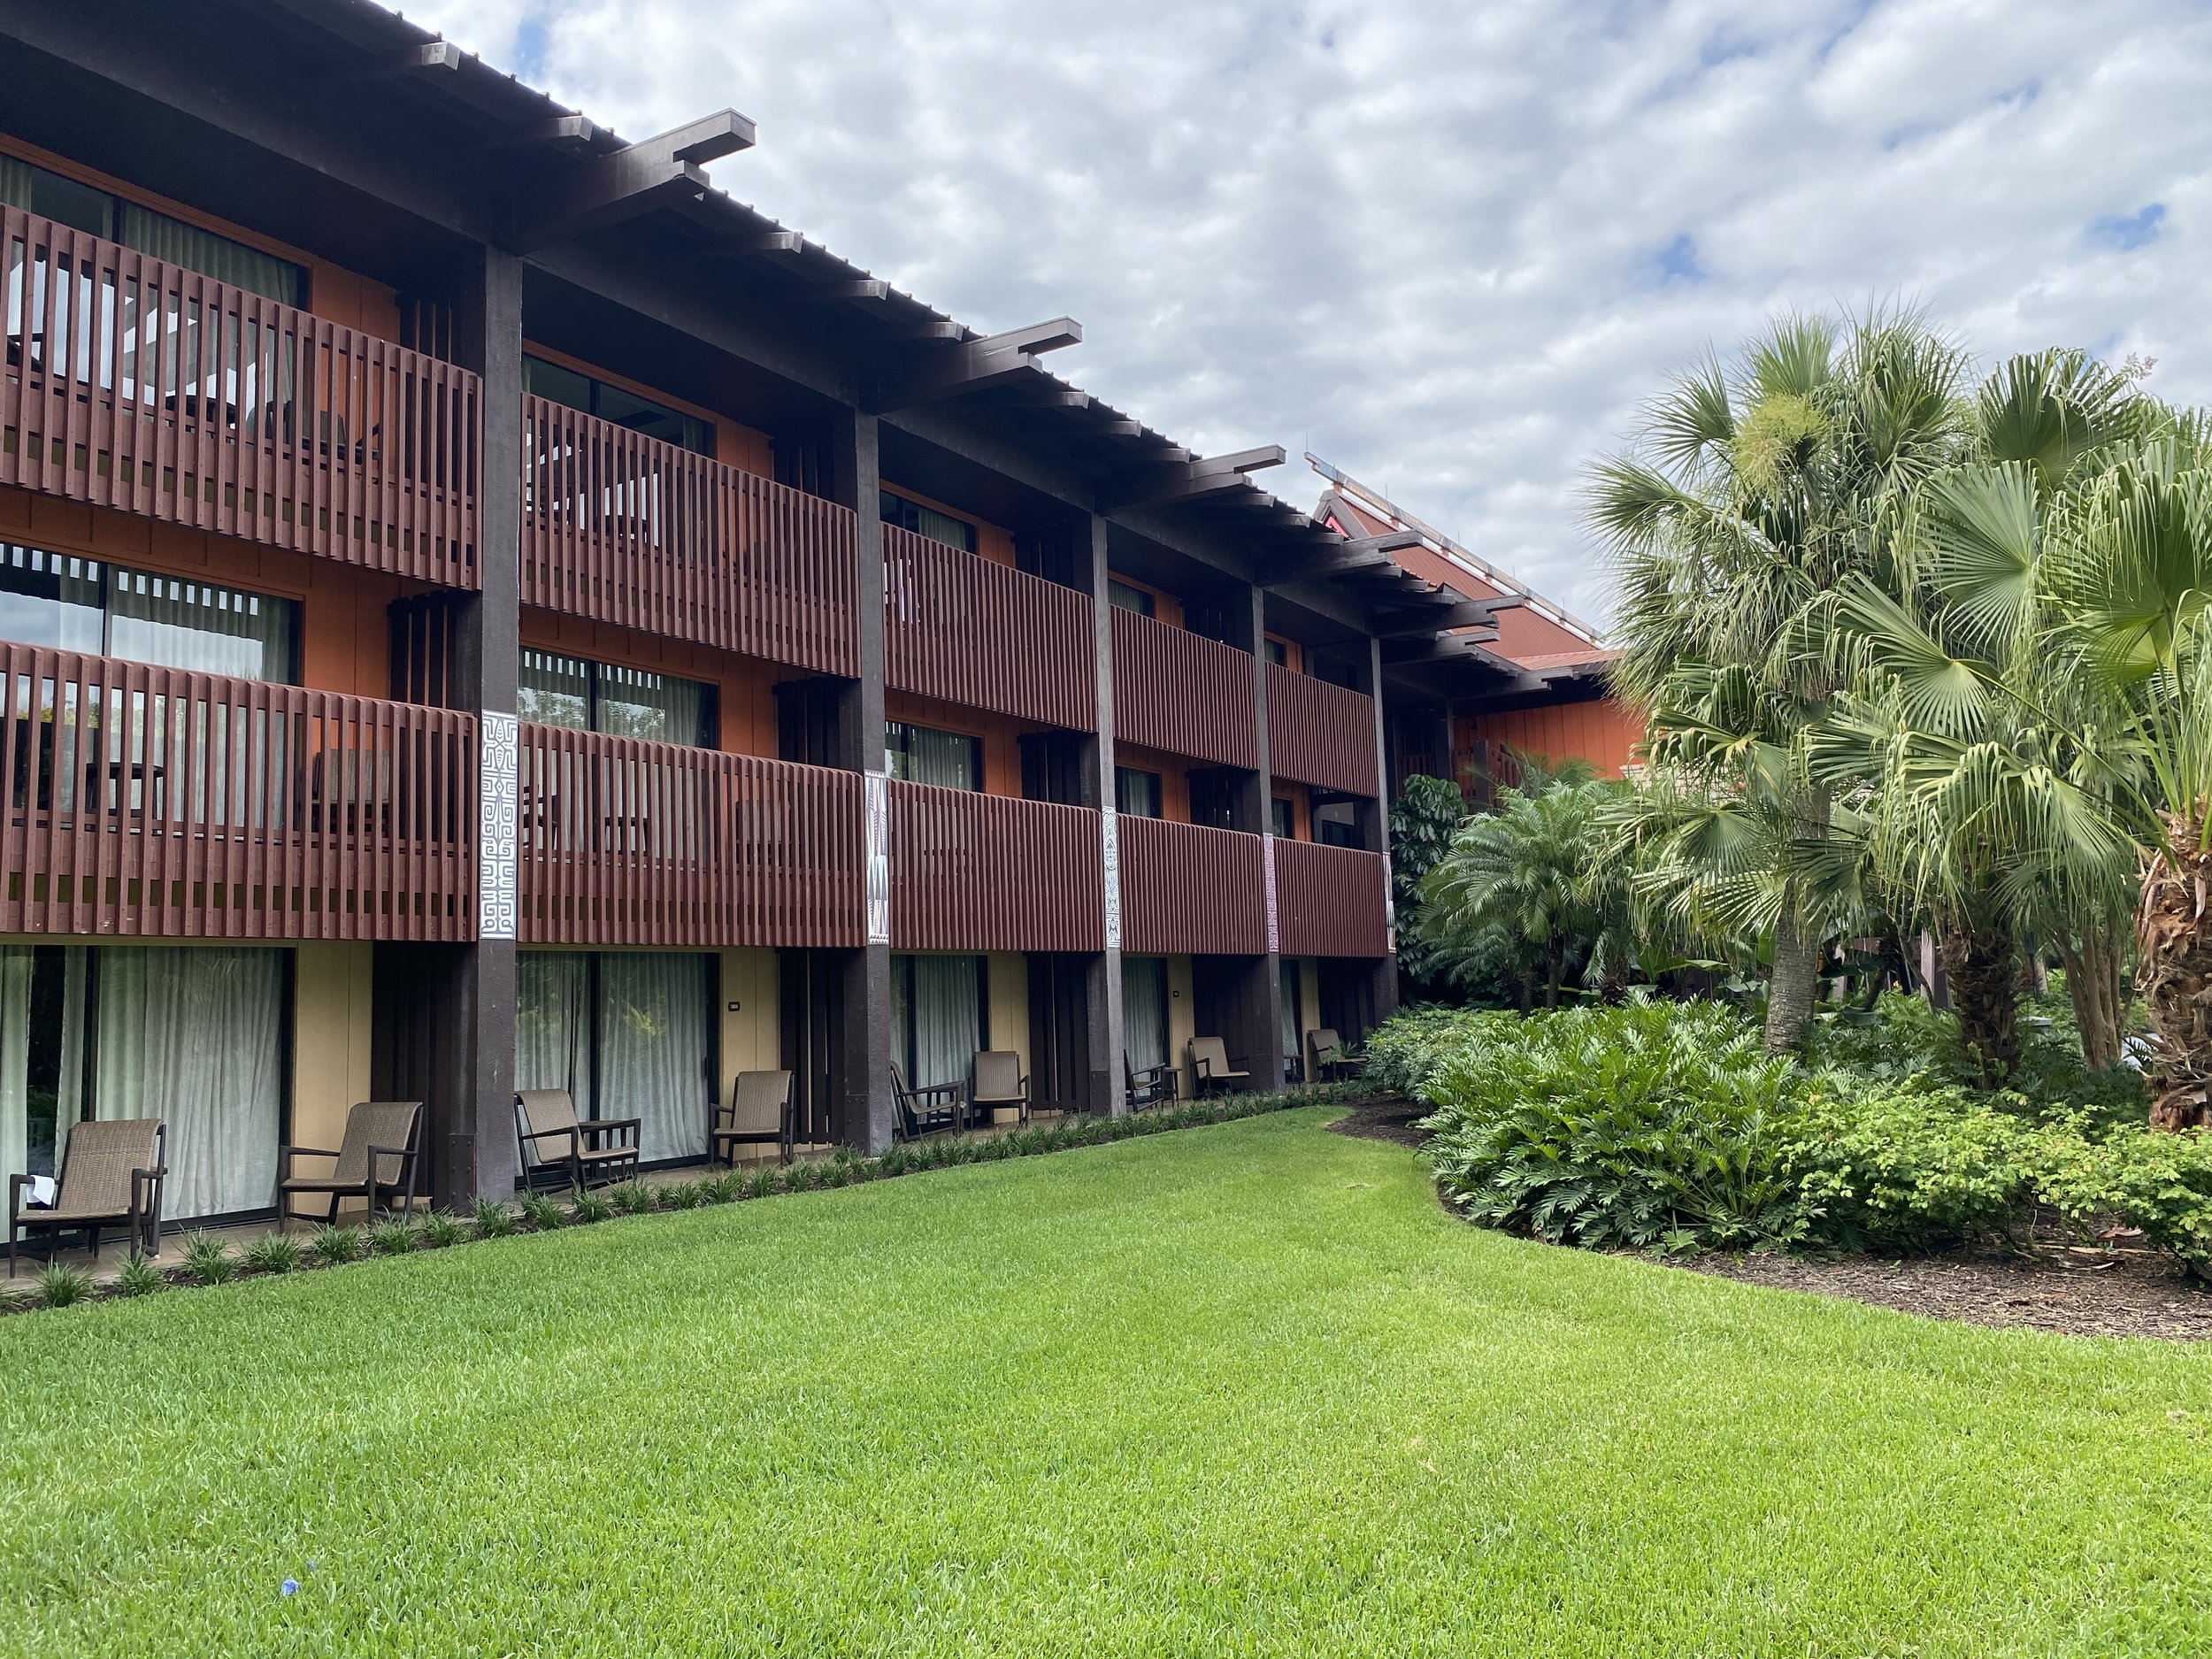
{"type": "Point", "coordinates": [1450, 247]}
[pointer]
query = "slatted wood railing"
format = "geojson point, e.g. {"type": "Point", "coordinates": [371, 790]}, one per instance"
{"type": "Point", "coordinates": [626, 529]}
{"type": "Point", "coordinates": [1182, 692]}
{"type": "Point", "coordinates": [973, 871]}
{"type": "Point", "coordinates": [151, 801]}
{"type": "Point", "coordinates": [138, 385]}
{"type": "Point", "coordinates": [968, 631]}
{"type": "Point", "coordinates": [1320, 734]}
{"type": "Point", "coordinates": [628, 842]}
{"type": "Point", "coordinates": [1187, 887]}
{"type": "Point", "coordinates": [1329, 901]}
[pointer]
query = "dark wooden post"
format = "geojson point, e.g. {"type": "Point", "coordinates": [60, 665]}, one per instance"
{"type": "Point", "coordinates": [1102, 973]}
{"type": "Point", "coordinates": [1258, 998]}
{"type": "Point", "coordinates": [864, 1105]}
{"type": "Point", "coordinates": [1376, 832]}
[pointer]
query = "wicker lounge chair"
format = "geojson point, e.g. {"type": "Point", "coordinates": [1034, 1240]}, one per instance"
{"type": "Point", "coordinates": [551, 1140]}
{"type": "Point", "coordinates": [1210, 1061]}
{"type": "Point", "coordinates": [378, 1157]}
{"type": "Point", "coordinates": [110, 1177]}
{"type": "Point", "coordinates": [999, 1083]}
{"type": "Point", "coordinates": [923, 1112]}
{"type": "Point", "coordinates": [759, 1113]}
{"type": "Point", "coordinates": [1330, 1062]}
{"type": "Point", "coordinates": [1151, 1087]}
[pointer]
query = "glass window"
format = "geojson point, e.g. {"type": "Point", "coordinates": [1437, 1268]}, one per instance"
{"type": "Point", "coordinates": [1280, 818]}
{"type": "Point", "coordinates": [1144, 1025]}
{"type": "Point", "coordinates": [921, 754]}
{"type": "Point", "coordinates": [86, 207]}
{"type": "Point", "coordinates": [192, 626]}
{"type": "Point", "coordinates": [1293, 1038]}
{"type": "Point", "coordinates": [1129, 598]}
{"type": "Point", "coordinates": [74, 604]}
{"type": "Point", "coordinates": [937, 1017]}
{"type": "Point", "coordinates": [938, 527]}
{"type": "Point", "coordinates": [589, 396]}
{"type": "Point", "coordinates": [627, 1034]}
{"type": "Point", "coordinates": [1136, 793]}
{"type": "Point", "coordinates": [587, 696]}
{"type": "Point", "coordinates": [1337, 825]}
{"type": "Point", "coordinates": [1277, 653]}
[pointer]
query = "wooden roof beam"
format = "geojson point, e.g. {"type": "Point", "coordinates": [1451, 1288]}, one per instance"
{"type": "Point", "coordinates": [975, 365]}
{"type": "Point", "coordinates": [630, 182]}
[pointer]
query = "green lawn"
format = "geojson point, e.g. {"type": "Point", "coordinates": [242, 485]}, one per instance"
{"type": "Point", "coordinates": [1243, 1389]}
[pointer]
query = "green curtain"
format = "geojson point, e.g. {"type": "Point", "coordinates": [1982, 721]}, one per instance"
{"type": "Point", "coordinates": [178, 243]}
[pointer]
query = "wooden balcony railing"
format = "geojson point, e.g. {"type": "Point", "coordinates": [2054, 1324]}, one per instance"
{"type": "Point", "coordinates": [1320, 734]}
{"type": "Point", "coordinates": [1329, 901]}
{"type": "Point", "coordinates": [628, 842]}
{"type": "Point", "coordinates": [138, 385]}
{"type": "Point", "coordinates": [1182, 692]}
{"type": "Point", "coordinates": [970, 632]}
{"type": "Point", "coordinates": [151, 801]}
{"type": "Point", "coordinates": [973, 872]}
{"type": "Point", "coordinates": [626, 529]}
{"type": "Point", "coordinates": [1186, 887]}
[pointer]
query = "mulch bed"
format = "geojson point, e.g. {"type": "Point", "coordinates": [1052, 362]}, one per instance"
{"type": "Point", "coordinates": [2063, 1286]}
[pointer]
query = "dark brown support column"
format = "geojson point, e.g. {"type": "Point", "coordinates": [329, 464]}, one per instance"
{"type": "Point", "coordinates": [1102, 973]}
{"type": "Point", "coordinates": [864, 1108]}
{"type": "Point", "coordinates": [1377, 831]}
{"type": "Point", "coordinates": [452, 1024]}
{"type": "Point", "coordinates": [1259, 998]}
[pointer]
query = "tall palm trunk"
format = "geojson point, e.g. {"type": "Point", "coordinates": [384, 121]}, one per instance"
{"type": "Point", "coordinates": [2094, 984]}
{"type": "Point", "coordinates": [2173, 937]}
{"type": "Point", "coordinates": [1790, 987]}
{"type": "Point", "coordinates": [1982, 960]}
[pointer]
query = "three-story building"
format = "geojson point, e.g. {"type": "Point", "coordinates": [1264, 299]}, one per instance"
{"type": "Point", "coordinates": [481, 609]}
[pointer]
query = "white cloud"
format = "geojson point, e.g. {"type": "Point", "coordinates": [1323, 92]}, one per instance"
{"type": "Point", "coordinates": [1431, 239]}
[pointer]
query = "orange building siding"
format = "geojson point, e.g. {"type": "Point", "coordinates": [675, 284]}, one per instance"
{"type": "Point", "coordinates": [1602, 731]}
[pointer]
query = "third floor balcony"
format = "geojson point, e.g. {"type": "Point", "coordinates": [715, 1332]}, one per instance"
{"type": "Point", "coordinates": [147, 387]}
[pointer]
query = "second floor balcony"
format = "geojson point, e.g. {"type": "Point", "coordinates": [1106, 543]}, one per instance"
{"type": "Point", "coordinates": [1186, 888]}
{"type": "Point", "coordinates": [964, 630]}
{"type": "Point", "coordinates": [146, 388]}
{"type": "Point", "coordinates": [158, 801]}
{"type": "Point", "coordinates": [1320, 734]}
{"type": "Point", "coordinates": [1182, 693]}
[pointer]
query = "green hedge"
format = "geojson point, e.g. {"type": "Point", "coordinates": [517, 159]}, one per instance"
{"type": "Point", "coordinates": [1665, 1125]}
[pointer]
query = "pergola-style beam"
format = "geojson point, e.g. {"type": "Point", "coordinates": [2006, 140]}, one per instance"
{"type": "Point", "coordinates": [1411, 649]}
{"type": "Point", "coordinates": [976, 365]}
{"type": "Point", "coordinates": [1355, 555]}
{"type": "Point", "coordinates": [629, 182]}
{"type": "Point", "coordinates": [1465, 613]}
{"type": "Point", "coordinates": [1195, 479]}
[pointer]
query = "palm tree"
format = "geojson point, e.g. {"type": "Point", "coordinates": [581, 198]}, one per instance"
{"type": "Point", "coordinates": [1965, 822]}
{"type": "Point", "coordinates": [1748, 499]}
{"type": "Point", "coordinates": [1527, 879]}
{"type": "Point", "coordinates": [2108, 580]}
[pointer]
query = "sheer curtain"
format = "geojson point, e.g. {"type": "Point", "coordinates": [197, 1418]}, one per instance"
{"type": "Point", "coordinates": [211, 255]}
{"type": "Point", "coordinates": [937, 1017]}
{"type": "Point", "coordinates": [195, 1037]}
{"type": "Point", "coordinates": [653, 1049]}
{"type": "Point", "coordinates": [15, 1056]}
{"type": "Point", "coordinates": [1293, 1037]}
{"type": "Point", "coordinates": [552, 1028]}
{"type": "Point", "coordinates": [1144, 1009]}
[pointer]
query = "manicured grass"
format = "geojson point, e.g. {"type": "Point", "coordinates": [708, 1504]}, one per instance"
{"type": "Point", "coordinates": [1238, 1390]}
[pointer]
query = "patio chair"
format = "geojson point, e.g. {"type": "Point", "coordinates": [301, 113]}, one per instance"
{"type": "Point", "coordinates": [759, 1113]}
{"type": "Point", "coordinates": [1149, 1086]}
{"type": "Point", "coordinates": [110, 1177]}
{"type": "Point", "coordinates": [550, 1139]}
{"type": "Point", "coordinates": [923, 1112]}
{"type": "Point", "coordinates": [378, 1158]}
{"type": "Point", "coordinates": [1331, 1063]}
{"type": "Point", "coordinates": [1210, 1061]}
{"type": "Point", "coordinates": [999, 1083]}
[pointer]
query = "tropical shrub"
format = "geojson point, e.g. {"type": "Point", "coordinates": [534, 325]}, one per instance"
{"type": "Point", "coordinates": [590, 1207]}
{"type": "Point", "coordinates": [493, 1219]}
{"type": "Point", "coordinates": [2159, 1183]}
{"type": "Point", "coordinates": [1904, 1167]}
{"type": "Point", "coordinates": [138, 1276]}
{"type": "Point", "coordinates": [541, 1212]}
{"type": "Point", "coordinates": [332, 1246]}
{"type": "Point", "coordinates": [1642, 1126]}
{"type": "Point", "coordinates": [61, 1286]}
{"type": "Point", "coordinates": [273, 1253]}
{"type": "Point", "coordinates": [207, 1259]}
{"type": "Point", "coordinates": [441, 1230]}
{"type": "Point", "coordinates": [1404, 1053]}
{"type": "Point", "coordinates": [391, 1238]}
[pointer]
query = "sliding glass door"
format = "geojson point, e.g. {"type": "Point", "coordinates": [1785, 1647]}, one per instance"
{"type": "Point", "coordinates": [627, 1034]}
{"type": "Point", "coordinates": [1144, 1011]}
{"type": "Point", "coordinates": [193, 1036]}
{"type": "Point", "coordinates": [937, 1019]}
